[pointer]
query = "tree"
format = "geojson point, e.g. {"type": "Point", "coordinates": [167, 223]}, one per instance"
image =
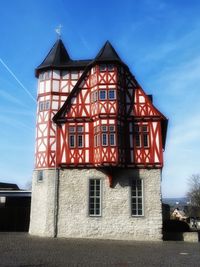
{"type": "Point", "coordinates": [193, 210]}
{"type": "Point", "coordinates": [194, 190]}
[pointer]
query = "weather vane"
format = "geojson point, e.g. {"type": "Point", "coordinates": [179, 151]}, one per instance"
{"type": "Point", "coordinates": [58, 31]}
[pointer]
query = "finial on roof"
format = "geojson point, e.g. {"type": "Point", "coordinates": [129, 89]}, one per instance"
{"type": "Point", "coordinates": [58, 30]}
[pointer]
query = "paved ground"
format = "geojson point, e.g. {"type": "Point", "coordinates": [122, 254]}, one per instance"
{"type": "Point", "coordinates": [22, 250]}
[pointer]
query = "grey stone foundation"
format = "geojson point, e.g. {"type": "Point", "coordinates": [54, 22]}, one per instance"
{"type": "Point", "coordinates": [62, 209]}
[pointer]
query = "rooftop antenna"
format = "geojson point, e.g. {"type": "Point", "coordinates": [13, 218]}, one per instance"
{"type": "Point", "coordinates": [58, 31]}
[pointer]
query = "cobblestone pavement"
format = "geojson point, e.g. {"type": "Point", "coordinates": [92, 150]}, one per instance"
{"type": "Point", "coordinates": [22, 250]}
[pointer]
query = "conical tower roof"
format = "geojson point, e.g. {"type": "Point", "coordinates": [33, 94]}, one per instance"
{"type": "Point", "coordinates": [107, 53]}
{"type": "Point", "coordinates": [56, 57]}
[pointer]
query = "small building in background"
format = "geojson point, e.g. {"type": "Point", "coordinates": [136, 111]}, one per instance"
{"type": "Point", "coordinates": [14, 208]}
{"type": "Point", "coordinates": [178, 214]}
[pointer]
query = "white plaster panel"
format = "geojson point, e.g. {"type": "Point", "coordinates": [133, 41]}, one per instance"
{"type": "Point", "coordinates": [66, 75]}
{"type": "Point", "coordinates": [86, 155]}
{"type": "Point", "coordinates": [156, 157]}
{"type": "Point", "coordinates": [141, 99]}
{"type": "Point", "coordinates": [56, 74]}
{"type": "Point", "coordinates": [42, 126]}
{"type": "Point", "coordinates": [64, 87]}
{"type": "Point", "coordinates": [55, 97]}
{"type": "Point", "coordinates": [86, 127]}
{"type": "Point", "coordinates": [48, 86]}
{"type": "Point", "coordinates": [73, 83]}
{"type": "Point", "coordinates": [63, 98]}
{"type": "Point", "coordinates": [87, 140]}
{"type": "Point", "coordinates": [55, 105]}
{"type": "Point", "coordinates": [74, 75]}
{"type": "Point", "coordinates": [83, 113]}
{"type": "Point", "coordinates": [87, 100]}
{"type": "Point", "coordinates": [47, 97]}
{"type": "Point", "coordinates": [55, 87]}
{"type": "Point", "coordinates": [41, 89]}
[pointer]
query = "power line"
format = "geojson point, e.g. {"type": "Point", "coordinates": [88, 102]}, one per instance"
{"type": "Point", "coordinates": [15, 77]}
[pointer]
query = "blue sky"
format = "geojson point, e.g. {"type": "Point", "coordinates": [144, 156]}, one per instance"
{"type": "Point", "coordinates": [159, 40]}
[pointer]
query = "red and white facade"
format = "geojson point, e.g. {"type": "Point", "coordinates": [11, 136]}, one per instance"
{"type": "Point", "coordinates": [94, 121]}
{"type": "Point", "coordinates": [108, 121]}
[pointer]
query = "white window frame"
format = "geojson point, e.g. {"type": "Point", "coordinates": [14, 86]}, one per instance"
{"type": "Point", "coordinates": [114, 138]}
{"type": "Point", "coordinates": [82, 138]}
{"type": "Point", "coordinates": [114, 97]}
{"type": "Point", "coordinates": [137, 197]}
{"type": "Point", "coordinates": [102, 90]}
{"type": "Point", "coordinates": [44, 105]}
{"type": "Point", "coordinates": [40, 176]}
{"type": "Point", "coordinates": [106, 139]}
{"type": "Point", "coordinates": [95, 197]}
{"type": "Point", "coordinates": [70, 144]}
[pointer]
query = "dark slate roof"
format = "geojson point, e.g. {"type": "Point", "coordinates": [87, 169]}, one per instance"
{"type": "Point", "coordinates": [107, 53]}
{"type": "Point", "coordinates": [59, 58]}
{"type": "Point", "coordinates": [57, 55]}
{"type": "Point", "coordinates": [8, 186]}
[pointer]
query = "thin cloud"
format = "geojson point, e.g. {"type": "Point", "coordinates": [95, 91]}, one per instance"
{"type": "Point", "coordinates": [10, 98]}
{"type": "Point", "coordinates": [84, 42]}
{"type": "Point", "coordinates": [14, 123]}
{"type": "Point", "coordinates": [15, 111]}
{"type": "Point", "coordinates": [16, 78]}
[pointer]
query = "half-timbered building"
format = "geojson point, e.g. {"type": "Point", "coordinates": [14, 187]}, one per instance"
{"type": "Point", "coordinates": [99, 150]}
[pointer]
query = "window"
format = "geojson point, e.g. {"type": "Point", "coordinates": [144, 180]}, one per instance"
{"type": "Point", "coordinates": [104, 128]}
{"type": "Point", "coordinates": [95, 197]}
{"type": "Point", "coordinates": [102, 68]}
{"type": "Point", "coordinates": [76, 136]}
{"type": "Point", "coordinates": [104, 139]}
{"type": "Point", "coordinates": [108, 135]}
{"type": "Point", "coordinates": [40, 176]}
{"type": "Point", "coordinates": [110, 67]}
{"type": "Point", "coordinates": [72, 141]}
{"type": "Point", "coordinates": [141, 136]}
{"type": "Point", "coordinates": [102, 95]}
{"type": "Point", "coordinates": [137, 198]}
{"type": "Point", "coordinates": [112, 135]}
{"type": "Point", "coordinates": [145, 136]}
{"type": "Point", "coordinates": [71, 129]}
{"type": "Point", "coordinates": [80, 140]}
{"type": "Point", "coordinates": [111, 94]}
{"type": "Point", "coordinates": [96, 136]}
{"type": "Point", "coordinates": [44, 105]}
{"type": "Point", "coordinates": [112, 139]}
